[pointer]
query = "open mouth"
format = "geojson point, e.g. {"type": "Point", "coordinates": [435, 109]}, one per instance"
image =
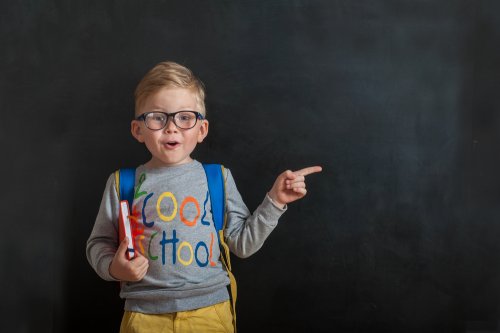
{"type": "Point", "coordinates": [172, 144]}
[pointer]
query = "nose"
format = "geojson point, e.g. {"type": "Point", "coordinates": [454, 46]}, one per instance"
{"type": "Point", "coordinates": [170, 126]}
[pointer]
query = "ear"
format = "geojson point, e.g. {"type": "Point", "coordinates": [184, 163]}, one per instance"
{"type": "Point", "coordinates": [136, 130]}
{"type": "Point", "coordinates": [203, 130]}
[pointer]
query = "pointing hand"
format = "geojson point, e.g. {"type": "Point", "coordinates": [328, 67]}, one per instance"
{"type": "Point", "coordinates": [291, 185]}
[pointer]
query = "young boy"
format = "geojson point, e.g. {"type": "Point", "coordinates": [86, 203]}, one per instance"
{"type": "Point", "coordinates": [164, 288]}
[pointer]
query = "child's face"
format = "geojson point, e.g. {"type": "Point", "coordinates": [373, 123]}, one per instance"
{"type": "Point", "coordinates": [171, 145]}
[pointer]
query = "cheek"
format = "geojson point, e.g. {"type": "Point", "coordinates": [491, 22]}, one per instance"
{"type": "Point", "coordinates": [149, 146]}
{"type": "Point", "coordinates": [192, 141]}
{"type": "Point", "coordinates": [150, 141]}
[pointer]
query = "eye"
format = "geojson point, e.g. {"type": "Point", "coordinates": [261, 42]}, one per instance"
{"type": "Point", "coordinates": [156, 116]}
{"type": "Point", "coordinates": [185, 116]}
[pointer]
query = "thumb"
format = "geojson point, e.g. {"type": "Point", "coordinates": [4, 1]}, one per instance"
{"type": "Point", "coordinates": [290, 175]}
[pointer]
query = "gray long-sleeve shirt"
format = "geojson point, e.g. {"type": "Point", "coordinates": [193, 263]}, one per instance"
{"type": "Point", "coordinates": [175, 231]}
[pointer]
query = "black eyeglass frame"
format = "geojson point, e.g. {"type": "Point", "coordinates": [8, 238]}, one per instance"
{"type": "Point", "coordinates": [197, 114]}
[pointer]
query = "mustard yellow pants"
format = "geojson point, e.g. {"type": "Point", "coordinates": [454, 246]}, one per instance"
{"type": "Point", "coordinates": [211, 319]}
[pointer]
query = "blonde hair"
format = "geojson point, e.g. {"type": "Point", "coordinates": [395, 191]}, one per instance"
{"type": "Point", "coordinates": [168, 74]}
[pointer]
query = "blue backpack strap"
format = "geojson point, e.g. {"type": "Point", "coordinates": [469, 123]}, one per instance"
{"type": "Point", "coordinates": [215, 180]}
{"type": "Point", "coordinates": [126, 184]}
{"type": "Point", "coordinates": [217, 191]}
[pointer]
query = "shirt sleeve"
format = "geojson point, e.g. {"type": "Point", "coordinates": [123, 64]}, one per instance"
{"type": "Point", "coordinates": [245, 233]}
{"type": "Point", "coordinates": [103, 241]}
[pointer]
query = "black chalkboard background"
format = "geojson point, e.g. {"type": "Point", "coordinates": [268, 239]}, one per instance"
{"type": "Point", "coordinates": [397, 100]}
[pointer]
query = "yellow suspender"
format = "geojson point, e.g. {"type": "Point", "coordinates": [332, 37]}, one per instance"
{"type": "Point", "coordinates": [225, 258]}
{"type": "Point", "coordinates": [117, 183]}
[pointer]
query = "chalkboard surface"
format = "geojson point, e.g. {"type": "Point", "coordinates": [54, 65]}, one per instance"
{"type": "Point", "coordinates": [397, 100]}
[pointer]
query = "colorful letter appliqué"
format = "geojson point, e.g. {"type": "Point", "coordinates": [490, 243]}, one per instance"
{"type": "Point", "coordinates": [155, 242]}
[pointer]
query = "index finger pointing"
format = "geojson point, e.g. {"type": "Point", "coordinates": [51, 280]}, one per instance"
{"type": "Point", "coordinates": [308, 170]}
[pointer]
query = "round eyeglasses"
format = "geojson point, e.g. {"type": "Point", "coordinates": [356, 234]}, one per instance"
{"type": "Point", "coordinates": [157, 120]}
